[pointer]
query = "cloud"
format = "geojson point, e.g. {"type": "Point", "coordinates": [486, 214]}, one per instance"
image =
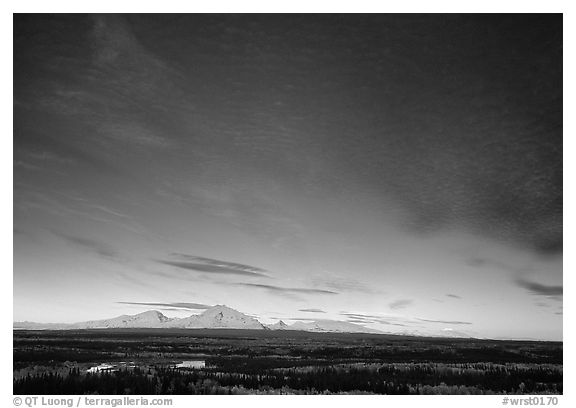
{"type": "Point", "coordinates": [391, 324]}
{"type": "Point", "coordinates": [450, 295]}
{"type": "Point", "coordinates": [360, 321]}
{"type": "Point", "coordinates": [371, 318]}
{"type": "Point", "coordinates": [133, 134]}
{"type": "Point", "coordinates": [443, 321]}
{"type": "Point", "coordinates": [312, 310]}
{"type": "Point", "coordinates": [98, 247]}
{"type": "Point", "coordinates": [486, 262]}
{"type": "Point", "coordinates": [207, 265]}
{"type": "Point", "coordinates": [289, 290]}
{"type": "Point", "coordinates": [540, 289]}
{"type": "Point", "coordinates": [171, 305]}
{"type": "Point", "coordinates": [225, 264]}
{"type": "Point", "coordinates": [400, 304]}
{"type": "Point", "coordinates": [360, 315]}
{"type": "Point", "coordinates": [108, 253]}
{"type": "Point", "coordinates": [342, 284]}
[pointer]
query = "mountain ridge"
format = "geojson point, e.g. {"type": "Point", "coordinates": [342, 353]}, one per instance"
{"type": "Point", "coordinates": [215, 317]}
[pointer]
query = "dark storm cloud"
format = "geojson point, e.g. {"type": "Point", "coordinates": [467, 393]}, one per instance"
{"type": "Point", "coordinates": [450, 295]}
{"type": "Point", "coordinates": [96, 246]}
{"type": "Point", "coordinates": [280, 289]}
{"type": "Point", "coordinates": [312, 310]}
{"type": "Point", "coordinates": [444, 321]}
{"type": "Point", "coordinates": [209, 268]}
{"type": "Point", "coordinates": [171, 306]}
{"type": "Point", "coordinates": [540, 289]}
{"type": "Point", "coordinates": [400, 304]}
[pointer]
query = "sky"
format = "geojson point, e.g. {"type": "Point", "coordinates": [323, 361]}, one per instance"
{"type": "Point", "coordinates": [403, 172]}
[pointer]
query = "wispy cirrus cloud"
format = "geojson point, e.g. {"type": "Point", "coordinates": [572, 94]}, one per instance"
{"type": "Point", "coordinates": [373, 318]}
{"type": "Point", "coordinates": [443, 321]}
{"type": "Point", "coordinates": [540, 289]}
{"type": "Point", "coordinates": [312, 310]}
{"type": "Point", "coordinates": [483, 262]}
{"type": "Point", "coordinates": [360, 321]}
{"type": "Point", "coordinates": [94, 245]}
{"type": "Point", "coordinates": [108, 253]}
{"type": "Point", "coordinates": [343, 284]}
{"type": "Point", "coordinates": [170, 305]}
{"type": "Point", "coordinates": [281, 289]}
{"type": "Point", "coordinates": [401, 304]}
{"type": "Point", "coordinates": [217, 262]}
{"type": "Point", "coordinates": [212, 266]}
{"type": "Point", "coordinates": [360, 315]}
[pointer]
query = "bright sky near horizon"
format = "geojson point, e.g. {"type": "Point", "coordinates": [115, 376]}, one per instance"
{"type": "Point", "coordinates": [403, 172]}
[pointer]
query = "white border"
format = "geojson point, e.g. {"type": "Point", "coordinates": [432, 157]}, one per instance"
{"type": "Point", "coordinates": [433, 6]}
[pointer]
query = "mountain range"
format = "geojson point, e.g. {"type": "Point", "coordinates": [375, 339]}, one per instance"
{"type": "Point", "coordinates": [216, 317]}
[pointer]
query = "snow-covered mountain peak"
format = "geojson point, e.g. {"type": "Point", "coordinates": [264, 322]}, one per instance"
{"type": "Point", "coordinates": [219, 316]}
{"type": "Point", "coordinates": [150, 315]}
{"type": "Point", "coordinates": [280, 325]}
{"type": "Point", "coordinates": [221, 310]}
{"type": "Point", "coordinates": [332, 326]}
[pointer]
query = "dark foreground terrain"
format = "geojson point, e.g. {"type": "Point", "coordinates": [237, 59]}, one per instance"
{"type": "Point", "coordinates": [195, 361]}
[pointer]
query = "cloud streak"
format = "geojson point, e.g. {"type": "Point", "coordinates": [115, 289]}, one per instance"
{"type": "Point", "coordinates": [401, 304]}
{"type": "Point", "coordinates": [281, 289]}
{"type": "Point", "coordinates": [217, 262]}
{"type": "Point", "coordinates": [540, 289]}
{"type": "Point", "coordinates": [213, 266]}
{"type": "Point", "coordinates": [171, 305]}
{"type": "Point", "coordinates": [343, 284]}
{"type": "Point", "coordinates": [312, 310]}
{"type": "Point", "coordinates": [98, 247]}
{"type": "Point", "coordinates": [444, 321]}
{"type": "Point", "coordinates": [371, 318]}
